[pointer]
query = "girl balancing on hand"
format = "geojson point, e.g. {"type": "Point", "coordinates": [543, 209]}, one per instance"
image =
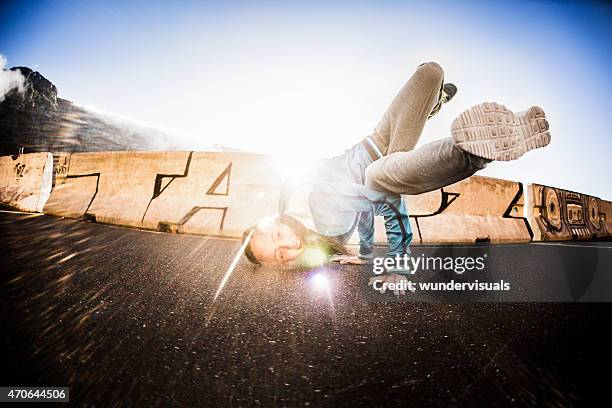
{"type": "Point", "coordinates": [318, 215]}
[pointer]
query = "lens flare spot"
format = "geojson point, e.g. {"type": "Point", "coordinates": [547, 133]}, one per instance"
{"type": "Point", "coordinates": [319, 282]}
{"type": "Point", "coordinates": [312, 257]}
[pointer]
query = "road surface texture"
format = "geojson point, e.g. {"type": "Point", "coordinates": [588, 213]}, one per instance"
{"type": "Point", "coordinates": [120, 316]}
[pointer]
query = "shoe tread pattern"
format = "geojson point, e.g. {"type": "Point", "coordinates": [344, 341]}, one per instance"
{"type": "Point", "coordinates": [494, 132]}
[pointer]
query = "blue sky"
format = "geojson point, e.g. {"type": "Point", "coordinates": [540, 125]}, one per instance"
{"type": "Point", "coordinates": [314, 77]}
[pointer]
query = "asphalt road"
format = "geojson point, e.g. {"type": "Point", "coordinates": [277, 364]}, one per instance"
{"type": "Point", "coordinates": [124, 317]}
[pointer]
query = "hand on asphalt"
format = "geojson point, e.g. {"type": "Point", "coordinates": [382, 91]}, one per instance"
{"type": "Point", "coordinates": [348, 259]}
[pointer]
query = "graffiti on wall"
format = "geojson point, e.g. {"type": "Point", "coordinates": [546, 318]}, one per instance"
{"type": "Point", "coordinates": [19, 170]}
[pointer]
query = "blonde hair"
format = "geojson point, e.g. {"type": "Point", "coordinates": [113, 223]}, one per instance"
{"type": "Point", "coordinates": [329, 245]}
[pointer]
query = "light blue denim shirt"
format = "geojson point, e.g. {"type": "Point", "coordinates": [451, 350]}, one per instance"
{"type": "Point", "coordinates": [340, 202]}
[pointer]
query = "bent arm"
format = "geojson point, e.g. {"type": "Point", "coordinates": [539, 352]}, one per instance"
{"type": "Point", "coordinates": [365, 228]}
{"type": "Point", "coordinates": [397, 225]}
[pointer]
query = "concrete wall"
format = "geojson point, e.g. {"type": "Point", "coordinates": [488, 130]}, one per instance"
{"type": "Point", "coordinates": [476, 209]}
{"type": "Point", "coordinates": [221, 194]}
{"type": "Point", "coordinates": [561, 215]}
{"type": "Point", "coordinates": [25, 180]}
{"type": "Point", "coordinates": [217, 194]}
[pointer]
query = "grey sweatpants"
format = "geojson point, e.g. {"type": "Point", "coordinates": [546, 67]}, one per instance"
{"type": "Point", "coordinates": [403, 170]}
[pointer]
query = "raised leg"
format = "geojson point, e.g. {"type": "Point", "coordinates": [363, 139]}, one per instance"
{"type": "Point", "coordinates": [482, 133]}
{"type": "Point", "coordinates": [401, 125]}
{"type": "Point", "coordinates": [432, 166]}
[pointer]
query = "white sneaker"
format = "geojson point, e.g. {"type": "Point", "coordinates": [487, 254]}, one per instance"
{"type": "Point", "coordinates": [494, 132]}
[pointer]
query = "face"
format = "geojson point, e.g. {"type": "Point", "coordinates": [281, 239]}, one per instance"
{"type": "Point", "coordinates": [276, 243]}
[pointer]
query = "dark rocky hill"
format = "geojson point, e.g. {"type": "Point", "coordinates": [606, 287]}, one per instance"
{"type": "Point", "coordinates": [38, 120]}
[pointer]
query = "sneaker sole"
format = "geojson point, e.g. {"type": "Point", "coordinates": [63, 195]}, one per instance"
{"type": "Point", "coordinates": [494, 132]}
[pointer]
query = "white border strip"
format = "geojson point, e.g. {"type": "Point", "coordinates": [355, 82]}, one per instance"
{"type": "Point", "coordinates": [373, 145]}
